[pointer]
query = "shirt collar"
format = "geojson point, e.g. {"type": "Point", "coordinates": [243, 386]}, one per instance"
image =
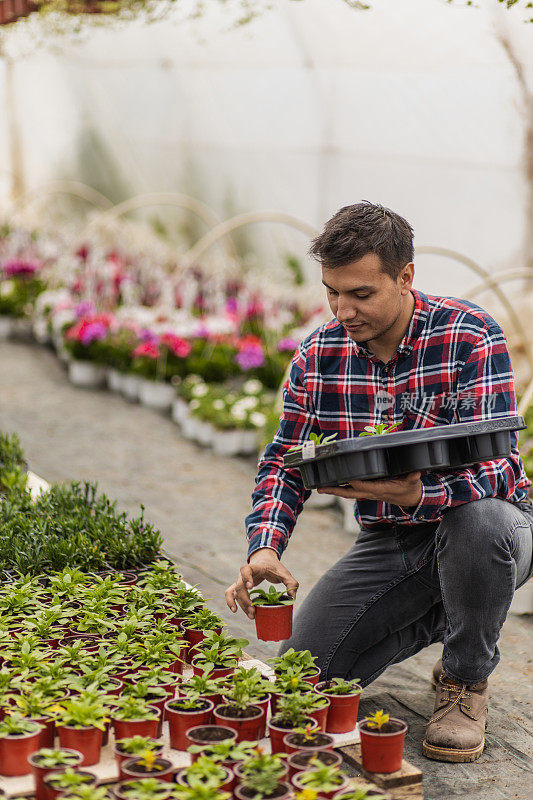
{"type": "Point", "coordinates": [416, 326]}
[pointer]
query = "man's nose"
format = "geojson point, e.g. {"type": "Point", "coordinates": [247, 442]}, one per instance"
{"type": "Point", "coordinates": [346, 311]}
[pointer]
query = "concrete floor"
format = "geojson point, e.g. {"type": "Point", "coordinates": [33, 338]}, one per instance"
{"type": "Point", "coordinates": [199, 501]}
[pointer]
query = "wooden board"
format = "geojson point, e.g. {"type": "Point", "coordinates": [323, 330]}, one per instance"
{"type": "Point", "coordinates": [406, 776]}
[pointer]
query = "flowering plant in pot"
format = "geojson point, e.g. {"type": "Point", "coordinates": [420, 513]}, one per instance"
{"type": "Point", "coordinates": [149, 764]}
{"type": "Point", "coordinates": [382, 740]}
{"type": "Point", "coordinates": [289, 716]}
{"type": "Point", "coordinates": [81, 725]}
{"type": "Point", "coordinates": [324, 780]}
{"type": "Point", "coordinates": [19, 738]}
{"type": "Point", "coordinates": [289, 683]}
{"type": "Point", "coordinates": [307, 739]}
{"type": "Point", "coordinates": [56, 783]}
{"type": "Point", "coordinates": [187, 711]}
{"type": "Point", "coordinates": [239, 713]}
{"type": "Point", "coordinates": [262, 777]}
{"type": "Point", "coordinates": [144, 789]}
{"type": "Point", "coordinates": [273, 614]}
{"type": "Point", "coordinates": [204, 771]}
{"type": "Point", "coordinates": [344, 703]}
{"type": "Point", "coordinates": [41, 709]}
{"type": "Point", "coordinates": [48, 760]}
{"type": "Point", "coordinates": [134, 716]}
{"type": "Point", "coordinates": [135, 746]}
{"type": "Point", "coordinates": [299, 663]}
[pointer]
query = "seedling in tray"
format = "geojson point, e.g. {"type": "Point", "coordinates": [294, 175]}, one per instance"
{"type": "Point", "coordinates": [273, 614]}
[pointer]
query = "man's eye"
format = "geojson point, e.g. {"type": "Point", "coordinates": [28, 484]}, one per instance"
{"type": "Point", "coordinates": [331, 291]}
{"type": "Point", "coordinates": [362, 296]}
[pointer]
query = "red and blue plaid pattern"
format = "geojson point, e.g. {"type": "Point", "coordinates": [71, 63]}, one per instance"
{"type": "Point", "coordinates": [451, 366]}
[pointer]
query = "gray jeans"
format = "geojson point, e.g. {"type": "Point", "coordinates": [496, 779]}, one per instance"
{"type": "Point", "coordinates": [401, 588]}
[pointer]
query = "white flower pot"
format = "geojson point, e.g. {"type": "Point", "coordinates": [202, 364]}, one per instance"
{"type": "Point", "coordinates": [5, 327]}
{"type": "Point", "coordinates": [227, 443]}
{"type": "Point", "coordinates": [130, 387]}
{"type": "Point", "coordinates": [249, 442]}
{"type": "Point", "coordinates": [86, 374]}
{"type": "Point", "coordinates": [114, 380]}
{"type": "Point", "coordinates": [156, 394]}
{"type": "Point", "coordinates": [180, 411]}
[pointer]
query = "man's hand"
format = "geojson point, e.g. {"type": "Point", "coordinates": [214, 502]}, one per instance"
{"type": "Point", "coordinates": [406, 491]}
{"type": "Point", "coordinates": [264, 564]}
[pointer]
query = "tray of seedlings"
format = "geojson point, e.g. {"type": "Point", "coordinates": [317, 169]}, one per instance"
{"type": "Point", "coordinates": [128, 678]}
{"type": "Point", "coordinates": [383, 452]}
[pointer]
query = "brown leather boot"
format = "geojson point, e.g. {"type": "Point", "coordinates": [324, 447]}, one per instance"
{"type": "Point", "coordinates": [456, 731]}
{"type": "Point", "coordinates": [436, 673]}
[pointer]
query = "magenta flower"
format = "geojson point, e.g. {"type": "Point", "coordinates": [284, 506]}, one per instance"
{"type": "Point", "coordinates": [84, 308]}
{"type": "Point", "coordinates": [146, 350]}
{"type": "Point", "coordinates": [20, 268]}
{"type": "Point", "coordinates": [93, 331]}
{"type": "Point", "coordinates": [287, 345]}
{"type": "Point", "coordinates": [250, 356]}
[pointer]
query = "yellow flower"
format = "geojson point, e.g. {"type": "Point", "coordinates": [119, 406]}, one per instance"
{"type": "Point", "coordinates": [378, 719]}
{"type": "Point", "coordinates": [294, 683]}
{"type": "Point", "coordinates": [307, 794]}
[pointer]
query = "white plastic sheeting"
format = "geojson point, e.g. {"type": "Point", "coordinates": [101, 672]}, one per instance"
{"type": "Point", "coordinates": [413, 104]}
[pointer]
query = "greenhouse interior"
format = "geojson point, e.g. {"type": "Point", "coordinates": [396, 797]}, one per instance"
{"type": "Point", "coordinates": [239, 240]}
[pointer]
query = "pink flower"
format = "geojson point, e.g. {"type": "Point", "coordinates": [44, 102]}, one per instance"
{"type": "Point", "coordinates": [84, 308]}
{"type": "Point", "coordinates": [287, 345]}
{"type": "Point", "coordinates": [146, 350]}
{"type": "Point", "coordinates": [179, 346]}
{"type": "Point", "coordinates": [250, 356]}
{"type": "Point", "coordinates": [21, 268]}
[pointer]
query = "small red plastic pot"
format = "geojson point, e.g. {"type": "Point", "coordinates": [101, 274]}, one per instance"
{"type": "Point", "coordinates": [124, 729]}
{"type": "Point", "coordinates": [87, 741]}
{"type": "Point", "coordinates": [382, 751]}
{"type": "Point", "coordinates": [295, 742]}
{"type": "Point", "coordinates": [343, 709]}
{"type": "Point", "coordinates": [277, 734]}
{"type": "Point", "coordinates": [284, 792]}
{"type": "Point", "coordinates": [131, 770]}
{"type": "Point", "coordinates": [273, 623]}
{"type": "Point", "coordinates": [299, 761]}
{"type": "Point", "coordinates": [248, 728]}
{"type": "Point", "coordinates": [206, 735]}
{"type": "Point", "coordinates": [180, 721]}
{"type": "Point", "coordinates": [342, 787]}
{"type": "Point", "coordinates": [55, 791]}
{"type": "Point", "coordinates": [48, 732]}
{"type": "Point", "coordinates": [217, 672]}
{"type": "Point", "coordinates": [227, 786]}
{"type": "Point", "coordinates": [15, 752]}
{"type": "Point", "coordinates": [39, 773]}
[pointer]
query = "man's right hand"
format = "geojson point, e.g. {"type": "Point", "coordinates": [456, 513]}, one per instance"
{"type": "Point", "coordinates": [264, 564]}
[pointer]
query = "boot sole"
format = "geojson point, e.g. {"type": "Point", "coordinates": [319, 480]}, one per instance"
{"type": "Point", "coordinates": [451, 754]}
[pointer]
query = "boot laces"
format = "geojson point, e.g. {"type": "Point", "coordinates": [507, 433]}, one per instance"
{"type": "Point", "coordinates": [453, 694]}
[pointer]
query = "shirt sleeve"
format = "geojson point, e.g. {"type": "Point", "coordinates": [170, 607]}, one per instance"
{"type": "Point", "coordinates": [279, 494]}
{"type": "Point", "coordinates": [485, 390]}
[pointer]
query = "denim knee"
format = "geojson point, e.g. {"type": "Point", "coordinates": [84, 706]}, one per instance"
{"type": "Point", "coordinates": [471, 527]}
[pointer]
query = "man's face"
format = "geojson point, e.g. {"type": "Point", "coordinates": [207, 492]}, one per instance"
{"type": "Point", "coordinates": [365, 300]}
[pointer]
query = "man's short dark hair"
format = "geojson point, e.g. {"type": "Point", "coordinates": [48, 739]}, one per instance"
{"type": "Point", "coordinates": [364, 228]}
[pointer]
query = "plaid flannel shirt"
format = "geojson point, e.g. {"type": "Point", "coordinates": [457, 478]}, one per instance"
{"type": "Point", "coordinates": [452, 365]}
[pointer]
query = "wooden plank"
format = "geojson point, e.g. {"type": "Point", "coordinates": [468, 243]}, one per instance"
{"type": "Point", "coordinates": [406, 776]}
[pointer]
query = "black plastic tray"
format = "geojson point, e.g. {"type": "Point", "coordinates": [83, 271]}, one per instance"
{"type": "Point", "coordinates": [443, 447]}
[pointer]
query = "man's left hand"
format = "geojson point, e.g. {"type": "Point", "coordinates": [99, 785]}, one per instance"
{"type": "Point", "coordinates": [405, 491]}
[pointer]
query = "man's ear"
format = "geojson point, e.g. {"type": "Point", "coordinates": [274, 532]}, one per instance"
{"type": "Point", "coordinates": [406, 278]}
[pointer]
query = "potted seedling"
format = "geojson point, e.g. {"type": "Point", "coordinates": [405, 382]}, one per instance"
{"type": "Point", "coordinates": [308, 739]}
{"type": "Point", "coordinates": [48, 760]}
{"type": "Point", "coordinates": [196, 625]}
{"type": "Point", "coordinates": [228, 753]}
{"type": "Point", "coordinates": [325, 781]}
{"type": "Point", "coordinates": [317, 707]}
{"type": "Point", "coordinates": [299, 663]}
{"type": "Point", "coordinates": [208, 688]}
{"type": "Point", "coordinates": [19, 738]}
{"type": "Point", "coordinates": [148, 765]}
{"type": "Point", "coordinates": [303, 760]}
{"type": "Point", "coordinates": [81, 726]}
{"type": "Point", "coordinates": [57, 783]}
{"type": "Point", "coordinates": [206, 772]}
{"type": "Point", "coordinates": [288, 683]}
{"type": "Point", "coordinates": [382, 739]}
{"type": "Point", "coordinates": [273, 614]}
{"type": "Point", "coordinates": [289, 716]}
{"type": "Point", "coordinates": [135, 746]}
{"type": "Point", "coordinates": [187, 711]}
{"type": "Point", "coordinates": [41, 709]}
{"type": "Point", "coordinates": [152, 694]}
{"type": "Point", "coordinates": [258, 689]}
{"type": "Point", "coordinates": [199, 792]}
{"type": "Point", "coordinates": [262, 777]}
{"type": "Point", "coordinates": [240, 713]}
{"type": "Point", "coordinates": [218, 653]}
{"type": "Point", "coordinates": [144, 789]}
{"type": "Point", "coordinates": [135, 717]}
{"type": "Point", "coordinates": [344, 703]}
{"type": "Point", "coordinates": [156, 676]}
